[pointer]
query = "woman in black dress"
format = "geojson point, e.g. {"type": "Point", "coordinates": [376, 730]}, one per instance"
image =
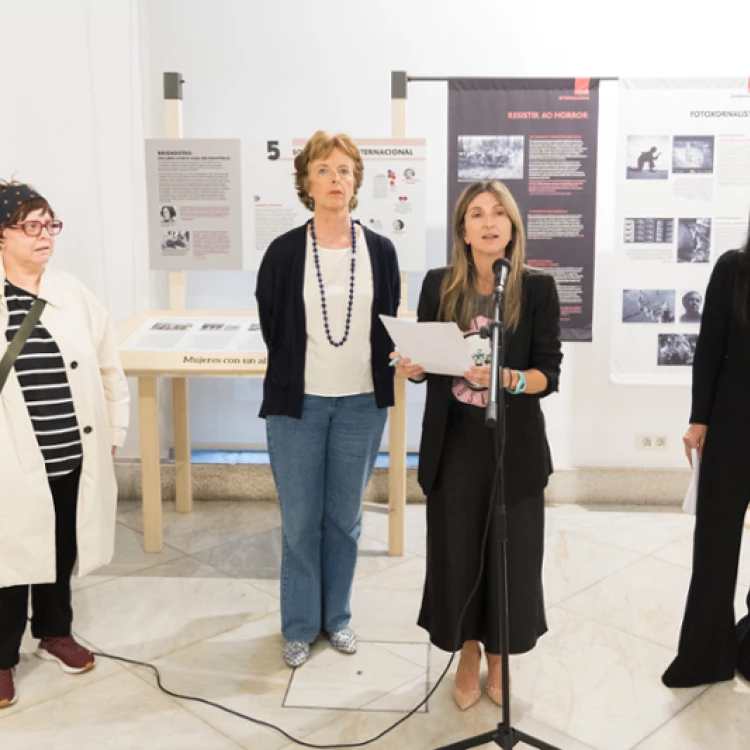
{"type": "Point", "coordinates": [711, 645]}
{"type": "Point", "coordinates": [457, 458]}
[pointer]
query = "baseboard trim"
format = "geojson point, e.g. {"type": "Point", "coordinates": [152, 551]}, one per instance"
{"type": "Point", "coordinates": [567, 486]}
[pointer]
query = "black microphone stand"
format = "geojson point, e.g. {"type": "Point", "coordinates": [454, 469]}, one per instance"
{"type": "Point", "coordinates": [504, 735]}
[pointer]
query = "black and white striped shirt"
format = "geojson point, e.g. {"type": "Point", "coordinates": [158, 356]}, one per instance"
{"type": "Point", "coordinates": [44, 381]}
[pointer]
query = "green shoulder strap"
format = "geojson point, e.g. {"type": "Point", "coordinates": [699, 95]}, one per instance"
{"type": "Point", "coordinates": [19, 340]}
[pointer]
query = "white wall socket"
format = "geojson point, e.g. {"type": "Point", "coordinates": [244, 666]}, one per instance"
{"type": "Point", "coordinates": [647, 442]}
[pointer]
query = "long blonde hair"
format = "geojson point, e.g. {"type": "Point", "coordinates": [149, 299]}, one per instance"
{"type": "Point", "coordinates": [458, 295]}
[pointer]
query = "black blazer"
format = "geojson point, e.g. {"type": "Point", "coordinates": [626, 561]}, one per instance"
{"type": "Point", "coordinates": [534, 344]}
{"type": "Point", "coordinates": [721, 366]}
{"type": "Point", "coordinates": [281, 308]}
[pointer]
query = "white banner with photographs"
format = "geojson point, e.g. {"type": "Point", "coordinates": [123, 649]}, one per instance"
{"type": "Point", "coordinates": [391, 199]}
{"type": "Point", "coordinates": [683, 190]}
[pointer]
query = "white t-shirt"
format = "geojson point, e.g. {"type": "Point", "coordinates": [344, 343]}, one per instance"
{"type": "Point", "coordinates": [338, 370]}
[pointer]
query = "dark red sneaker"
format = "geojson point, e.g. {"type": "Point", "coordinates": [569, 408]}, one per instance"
{"type": "Point", "coordinates": [7, 689]}
{"type": "Point", "coordinates": [71, 656]}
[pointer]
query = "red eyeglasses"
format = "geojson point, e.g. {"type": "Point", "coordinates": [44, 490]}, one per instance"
{"type": "Point", "coordinates": [34, 228]}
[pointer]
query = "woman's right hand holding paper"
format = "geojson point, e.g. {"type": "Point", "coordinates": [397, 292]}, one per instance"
{"type": "Point", "coordinates": [405, 369]}
{"type": "Point", "coordinates": [694, 438]}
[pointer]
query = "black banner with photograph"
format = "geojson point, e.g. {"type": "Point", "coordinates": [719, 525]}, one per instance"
{"type": "Point", "coordinates": [539, 137]}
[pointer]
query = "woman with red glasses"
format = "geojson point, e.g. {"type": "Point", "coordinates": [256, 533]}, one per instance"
{"type": "Point", "coordinates": [64, 405]}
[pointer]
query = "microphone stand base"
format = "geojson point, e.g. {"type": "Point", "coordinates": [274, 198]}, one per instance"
{"type": "Point", "coordinates": [504, 736]}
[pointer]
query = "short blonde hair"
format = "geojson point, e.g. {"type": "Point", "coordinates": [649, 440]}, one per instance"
{"type": "Point", "coordinates": [319, 147]}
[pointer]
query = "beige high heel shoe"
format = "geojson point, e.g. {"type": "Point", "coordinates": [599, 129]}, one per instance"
{"type": "Point", "coordinates": [465, 699]}
{"type": "Point", "coordinates": [496, 692]}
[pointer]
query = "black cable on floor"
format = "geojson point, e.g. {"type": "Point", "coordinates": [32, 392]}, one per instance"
{"type": "Point", "coordinates": [364, 743]}
{"type": "Point", "coordinates": [267, 724]}
{"type": "Point", "coordinates": [382, 734]}
{"type": "Point", "coordinates": [286, 734]}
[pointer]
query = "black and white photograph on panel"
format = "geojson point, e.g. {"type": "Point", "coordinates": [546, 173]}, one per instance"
{"type": "Point", "coordinates": [649, 231]}
{"type": "Point", "coordinates": [167, 215]}
{"type": "Point", "coordinates": [690, 306]}
{"type": "Point", "coordinates": [490, 157]}
{"type": "Point", "coordinates": [175, 243]}
{"type": "Point", "coordinates": [161, 326]}
{"type": "Point", "coordinates": [648, 306]}
{"type": "Point", "coordinates": [693, 154]}
{"type": "Point", "coordinates": [676, 349]}
{"type": "Point", "coordinates": [648, 157]}
{"type": "Point", "coordinates": [693, 240]}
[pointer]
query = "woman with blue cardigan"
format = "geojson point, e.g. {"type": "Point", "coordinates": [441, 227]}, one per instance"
{"type": "Point", "coordinates": [321, 288]}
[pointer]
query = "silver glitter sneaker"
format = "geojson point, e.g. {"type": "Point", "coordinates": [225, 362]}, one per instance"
{"type": "Point", "coordinates": [296, 653]}
{"type": "Point", "coordinates": [344, 640]}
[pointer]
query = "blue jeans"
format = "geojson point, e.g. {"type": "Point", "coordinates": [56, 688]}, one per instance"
{"type": "Point", "coordinates": [321, 464]}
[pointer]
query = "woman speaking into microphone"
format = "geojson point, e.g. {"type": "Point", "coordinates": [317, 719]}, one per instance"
{"type": "Point", "coordinates": [457, 456]}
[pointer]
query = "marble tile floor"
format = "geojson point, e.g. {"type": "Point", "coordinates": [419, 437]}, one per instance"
{"type": "Point", "coordinates": [205, 612]}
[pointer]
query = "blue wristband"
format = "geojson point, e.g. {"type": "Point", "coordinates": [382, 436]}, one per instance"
{"type": "Point", "coordinates": [521, 387]}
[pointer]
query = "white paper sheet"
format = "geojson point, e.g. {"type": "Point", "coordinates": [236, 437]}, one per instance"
{"type": "Point", "coordinates": [691, 496]}
{"type": "Point", "coordinates": [439, 348]}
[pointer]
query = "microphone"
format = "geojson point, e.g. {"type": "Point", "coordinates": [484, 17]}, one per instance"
{"type": "Point", "coordinates": [501, 269]}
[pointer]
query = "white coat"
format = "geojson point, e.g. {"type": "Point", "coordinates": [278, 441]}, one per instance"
{"type": "Point", "coordinates": [86, 337]}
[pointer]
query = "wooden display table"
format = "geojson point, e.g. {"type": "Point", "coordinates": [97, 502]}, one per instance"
{"type": "Point", "coordinates": [187, 343]}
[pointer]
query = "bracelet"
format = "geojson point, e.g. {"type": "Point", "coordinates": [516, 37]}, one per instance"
{"type": "Point", "coordinates": [520, 386]}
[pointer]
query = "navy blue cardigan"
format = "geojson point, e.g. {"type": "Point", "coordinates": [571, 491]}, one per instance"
{"type": "Point", "coordinates": [281, 307]}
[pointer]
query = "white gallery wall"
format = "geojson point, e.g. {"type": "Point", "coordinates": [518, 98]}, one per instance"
{"type": "Point", "coordinates": [88, 87]}
{"type": "Point", "coordinates": [72, 124]}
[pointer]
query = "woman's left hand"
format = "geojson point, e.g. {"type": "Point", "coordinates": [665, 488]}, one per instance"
{"type": "Point", "coordinates": [481, 376]}
{"type": "Point", "coordinates": [114, 449]}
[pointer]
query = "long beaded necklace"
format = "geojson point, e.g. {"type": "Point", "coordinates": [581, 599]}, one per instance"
{"type": "Point", "coordinates": [322, 287]}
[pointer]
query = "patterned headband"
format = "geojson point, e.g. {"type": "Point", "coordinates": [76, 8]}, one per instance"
{"type": "Point", "coordinates": [12, 197]}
